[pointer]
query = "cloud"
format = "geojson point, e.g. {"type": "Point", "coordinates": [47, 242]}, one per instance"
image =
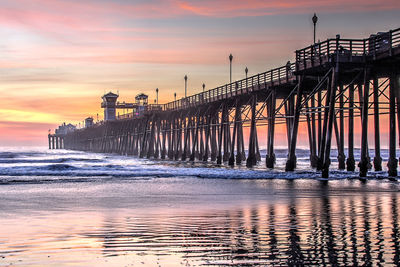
{"type": "Point", "coordinates": [240, 8]}
{"type": "Point", "coordinates": [24, 116]}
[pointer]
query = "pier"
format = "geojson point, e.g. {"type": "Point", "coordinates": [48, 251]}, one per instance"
{"type": "Point", "coordinates": [328, 85]}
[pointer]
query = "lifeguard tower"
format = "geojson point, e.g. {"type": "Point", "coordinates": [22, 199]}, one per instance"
{"type": "Point", "coordinates": [141, 103]}
{"type": "Point", "coordinates": [109, 105]}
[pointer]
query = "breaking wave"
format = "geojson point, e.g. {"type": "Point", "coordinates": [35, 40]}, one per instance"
{"type": "Point", "coordinates": [44, 166]}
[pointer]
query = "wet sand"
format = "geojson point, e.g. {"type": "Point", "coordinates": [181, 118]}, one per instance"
{"type": "Point", "coordinates": [191, 222]}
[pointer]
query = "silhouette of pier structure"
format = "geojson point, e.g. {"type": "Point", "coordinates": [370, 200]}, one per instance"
{"type": "Point", "coordinates": [329, 85]}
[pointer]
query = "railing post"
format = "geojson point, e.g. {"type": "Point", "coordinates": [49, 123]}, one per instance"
{"type": "Point", "coordinates": [390, 43]}
{"type": "Point", "coordinates": [319, 53]}
{"type": "Point", "coordinates": [236, 88]}
{"type": "Point", "coordinates": [351, 50]}
{"type": "Point", "coordinates": [337, 41]}
{"type": "Point", "coordinates": [351, 47]}
{"type": "Point", "coordinates": [270, 77]}
{"type": "Point", "coordinates": [279, 75]}
{"type": "Point", "coordinates": [328, 50]}
{"type": "Point", "coordinates": [287, 72]}
{"type": "Point", "coordinates": [312, 56]}
{"type": "Point", "coordinates": [364, 48]}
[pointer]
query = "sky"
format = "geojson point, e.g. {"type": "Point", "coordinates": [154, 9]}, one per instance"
{"type": "Point", "coordinates": [58, 57]}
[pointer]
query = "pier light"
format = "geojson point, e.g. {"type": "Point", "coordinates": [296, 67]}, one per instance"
{"type": "Point", "coordinates": [204, 86]}
{"type": "Point", "coordinates": [175, 96]}
{"type": "Point", "coordinates": [185, 78]}
{"type": "Point", "coordinates": [157, 95]}
{"type": "Point", "coordinates": [230, 68]}
{"type": "Point", "coordinates": [246, 70]}
{"type": "Point", "coordinates": [314, 20]}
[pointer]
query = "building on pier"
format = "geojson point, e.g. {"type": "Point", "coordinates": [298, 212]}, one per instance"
{"type": "Point", "coordinates": [141, 103]}
{"type": "Point", "coordinates": [109, 105]}
{"type": "Point", "coordinates": [88, 122]}
{"type": "Point", "coordinates": [65, 128]}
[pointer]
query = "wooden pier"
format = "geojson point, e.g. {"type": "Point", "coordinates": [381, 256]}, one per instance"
{"type": "Point", "coordinates": [56, 141]}
{"type": "Point", "coordinates": [329, 85]}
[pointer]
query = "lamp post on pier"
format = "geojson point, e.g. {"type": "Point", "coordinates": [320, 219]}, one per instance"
{"type": "Point", "coordinates": [204, 86]}
{"type": "Point", "coordinates": [230, 68]}
{"type": "Point", "coordinates": [314, 20]}
{"type": "Point", "coordinates": [174, 100]}
{"type": "Point", "coordinates": [246, 70]}
{"type": "Point", "coordinates": [185, 85]}
{"type": "Point", "coordinates": [157, 95]}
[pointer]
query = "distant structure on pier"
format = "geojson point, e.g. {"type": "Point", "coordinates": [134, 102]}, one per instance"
{"type": "Point", "coordinates": [141, 103]}
{"type": "Point", "coordinates": [56, 140]}
{"type": "Point", "coordinates": [65, 129]}
{"type": "Point", "coordinates": [88, 122]}
{"type": "Point", "coordinates": [109, 105]}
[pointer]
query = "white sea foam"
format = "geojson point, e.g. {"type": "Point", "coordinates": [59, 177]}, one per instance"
{"type": "Point", "coordinates": [42, 165]}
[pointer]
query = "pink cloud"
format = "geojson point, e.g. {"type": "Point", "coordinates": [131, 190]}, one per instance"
{"type": "Point", "coordinates": [237, 8]}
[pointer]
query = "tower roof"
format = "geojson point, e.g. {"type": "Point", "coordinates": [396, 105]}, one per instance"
{"type": "Point", "coordinates": [141, 96]}
{"type": "Point", "coordinates": [110, 95]}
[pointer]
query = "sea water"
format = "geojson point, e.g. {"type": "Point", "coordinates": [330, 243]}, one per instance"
{"type": "Point", "coordinates": [60, 207]}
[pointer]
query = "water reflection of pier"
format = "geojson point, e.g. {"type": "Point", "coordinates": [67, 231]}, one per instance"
{"type": "Point", "coordinates": [332, 229]}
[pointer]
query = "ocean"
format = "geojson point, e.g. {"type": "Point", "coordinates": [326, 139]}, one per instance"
{"type": "Point", "coordinates": [70, 208]}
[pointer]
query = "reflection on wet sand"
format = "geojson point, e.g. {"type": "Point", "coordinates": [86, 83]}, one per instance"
{"type": "Point", "coordinates": [324, 230]}
{"type": "Point", "coordinates": [354, 232]}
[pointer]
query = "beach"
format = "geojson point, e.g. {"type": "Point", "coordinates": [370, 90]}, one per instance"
{"type": "Point", "coordinates": [70, 210]}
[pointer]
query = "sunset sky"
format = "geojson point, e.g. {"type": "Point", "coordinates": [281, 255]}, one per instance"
{"type": "Point", "coordinates": [57, 57]}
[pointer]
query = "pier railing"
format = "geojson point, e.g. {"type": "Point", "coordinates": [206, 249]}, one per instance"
{"type": "Point", "coordinates": [275, 76]}
{"type": "Point", "coordinates": [139, 112]}
{"type": "Point", "coordinates": [319, 53]}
